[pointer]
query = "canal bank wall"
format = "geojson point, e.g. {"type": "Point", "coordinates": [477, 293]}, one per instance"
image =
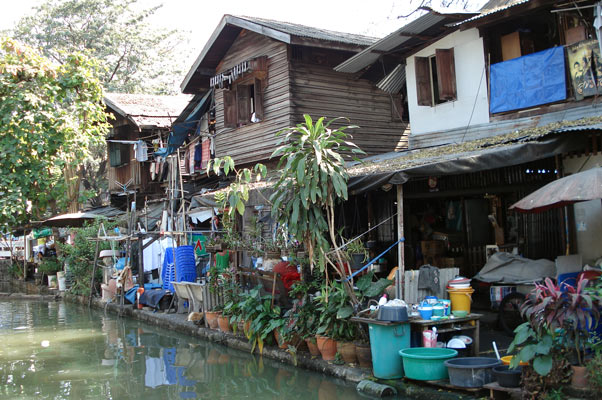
{"type": "Point", "coordinates": [179, 323]}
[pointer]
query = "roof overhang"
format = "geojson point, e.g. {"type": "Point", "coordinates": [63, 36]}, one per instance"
{"type": "Point", "coordinates": [424, 29]}
{"type": "Point", "coordinates": [216, 47]}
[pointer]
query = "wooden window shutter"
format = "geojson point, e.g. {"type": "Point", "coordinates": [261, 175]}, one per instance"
{"type": "Point", "coordinates": [258, 99]}
{"type": "Point", "coordinates": [114, 154]}
{"type": "Point", "coordinates": [423, 81]}
{"type": "Point", "coordinates": [446, 74]}
{"type": "Point", "coordinates": [229, 108]}
{"type": "Point", "coordinates": [243, 102]}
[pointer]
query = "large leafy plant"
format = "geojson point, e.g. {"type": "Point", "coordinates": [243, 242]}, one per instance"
{"type": "Point", "coordinates": [558, 319]}
{"type": "Point", "coordinates": [313, 178]}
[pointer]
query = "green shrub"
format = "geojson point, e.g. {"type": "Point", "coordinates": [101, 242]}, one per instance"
{"type": "Point", "coordinates": [80, 256]}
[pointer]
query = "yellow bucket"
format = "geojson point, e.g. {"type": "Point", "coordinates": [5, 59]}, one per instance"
{"type": "Point", "coordinates": [460, 299]}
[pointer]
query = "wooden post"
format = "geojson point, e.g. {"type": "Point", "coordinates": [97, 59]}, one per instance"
{"type": "Point", "coordinates": [93, 271]}
{"type": "Point", "coordinates": [400, 245]}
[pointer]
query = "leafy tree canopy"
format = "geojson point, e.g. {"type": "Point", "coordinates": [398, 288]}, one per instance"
{"type": "Point", "coordinates": [50, 115]}
{"type": "Point", "coordinates": [137, 58]}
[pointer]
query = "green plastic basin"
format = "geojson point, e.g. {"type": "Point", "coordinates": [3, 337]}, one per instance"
{"type": "Point", "coordinates": [426, 363]}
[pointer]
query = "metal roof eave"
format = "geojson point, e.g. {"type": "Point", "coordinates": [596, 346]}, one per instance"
{"type": "Point", "coordinates": [418, 26]}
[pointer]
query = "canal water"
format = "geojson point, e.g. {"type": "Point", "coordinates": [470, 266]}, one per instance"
{"type": "Point", "coordinates": [57, 350]}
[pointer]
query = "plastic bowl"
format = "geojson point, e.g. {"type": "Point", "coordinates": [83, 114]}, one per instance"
{"type": "Point", "coordinates": [426, 363]}
{"type": "Point", "coordinates": [460, 314]}
{"type": "Point", "coordinates": [506, 361]}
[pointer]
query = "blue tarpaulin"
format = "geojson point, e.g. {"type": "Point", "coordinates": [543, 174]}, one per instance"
{"type": "Point", "coordinates": [528, 81]}
{"type": "Point", "coordinates": [181, 130]}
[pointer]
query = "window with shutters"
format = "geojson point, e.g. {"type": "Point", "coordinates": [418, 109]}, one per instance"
{"type": "Point", "coordinates": [436, 78]}
{"type": "Point", "coordinates": [119, 154]}
{"type": "Point", "coordinates": [243, 103]}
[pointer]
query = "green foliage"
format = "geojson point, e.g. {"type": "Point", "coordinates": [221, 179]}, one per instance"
{"type": "Point", "coordinates": [50, 266]}
{"type": "Point", "coordinates": [233, 199]}
{"type": "Point", "coordinates": [263, 318]}
{"type": "Point", "coordinates": [366, 288]}
{"type": "Point", "coordinates": [136, 56]}
{"type": "Point", "coordinates": [570, 311]}
{"type": "Point", "coordinates": [332, 306]}
{"type": "Point", "coordinates": [538, 347]}
{"type": "Point", "coordinates": [79, 256]}
{"type": "Point", "coordinates": [356, 247]}
{"type": "Point", "coordinates": [301, 320]}
{"type": "Point", "coordinates": [594, 370]}
{"type": "Point", "coordinates": [313, 177]}
{"type": "Point", "coordinates": [15, 270]}
{"type": "Point", "coordinates": [50, 116]}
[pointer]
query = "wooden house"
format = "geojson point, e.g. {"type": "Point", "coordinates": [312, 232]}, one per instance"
{"type": "Point", "coordinates": [264, 75]}
{"type": "Point", "coordinates": [143, 120]}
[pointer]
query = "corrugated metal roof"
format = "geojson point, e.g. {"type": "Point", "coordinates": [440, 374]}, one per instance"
{"type": "Point", "coordinates": [578, 128]}
{"type": "Point", "coordinates": [146, 109]}
{"type": "Point", "coordinates": [493, 7]}
{"type": "Point", "coordinates": [369, 55]}
{"type": "Point", "coordinates": [396, 161]}
{"type": "Point", "coordinates": [394, 81]}
{"type": "Point", "coordinates": [311, 32]}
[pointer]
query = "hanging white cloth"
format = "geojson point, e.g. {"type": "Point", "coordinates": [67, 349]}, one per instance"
{"type": "Point", "coordinates": [141, 150]}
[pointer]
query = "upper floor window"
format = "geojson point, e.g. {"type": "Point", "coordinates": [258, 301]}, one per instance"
{"type": "Point", "coordinates": [436, 78]}
{"type": "Point", "coordinates": [243, 103]}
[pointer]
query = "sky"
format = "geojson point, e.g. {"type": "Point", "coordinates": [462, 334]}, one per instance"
{"type": "Point", "coordinates": [200, 17]}
{"type": "Point", "coordinates": [197, 19]}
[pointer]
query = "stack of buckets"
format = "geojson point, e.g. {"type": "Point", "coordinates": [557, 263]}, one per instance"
{"type": "Point", "coordinates": [460, 294]}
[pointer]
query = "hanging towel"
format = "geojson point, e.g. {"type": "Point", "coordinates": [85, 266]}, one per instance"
{"type": "Point", "coordinates": [141, 150]}
{"type": "Point", "coordinates": [428, 278]}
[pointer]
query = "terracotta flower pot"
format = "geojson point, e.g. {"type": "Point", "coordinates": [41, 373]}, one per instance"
{"type": "Point", "coordinates": [312, 347]}
{"type": "Point", "coordinates": [364, 354]}
{"type": "Point", "coordinates": [241, 327]}
{"type": "Point", "coordinates": [211, 317]}
{"type": "Point", "coordinates": [277, 338]}
{"type": "Point", "coordinates": [579, 378]}
{"type": "Point", "coordinates": [327, 347]}
{"type": "Point", "coordinates": [224, 323]}
{"type": "Point", "coordinates": [347, 352]}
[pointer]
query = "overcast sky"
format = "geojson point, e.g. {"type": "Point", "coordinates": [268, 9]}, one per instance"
{"type": "Point", "coordinates": [197, 19]}
{"type": "Point", "coordinates": [200, 17]}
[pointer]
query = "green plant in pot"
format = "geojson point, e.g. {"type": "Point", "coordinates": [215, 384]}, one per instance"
{"type": "Point", "coordinates": [332, 306]}
{"type": "Point", "coordinates": [357, 253]}
{"type": "Point", "coordinates": [559, 320]}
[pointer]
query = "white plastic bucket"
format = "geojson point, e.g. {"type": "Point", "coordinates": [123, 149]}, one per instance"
{"type": "Point", "coordinates": [52, 282]}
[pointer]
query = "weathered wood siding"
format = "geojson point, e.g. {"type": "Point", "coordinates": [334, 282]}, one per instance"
{"type": "Point", "coordinates": [131, 170]}
{"type": "Point", "coordinates": [319, 91]}
{"type": "Point", "coordinates": [255, 142]}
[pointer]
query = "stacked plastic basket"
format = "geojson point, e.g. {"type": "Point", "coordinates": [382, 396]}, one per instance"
{"type": "Point", "coordinates": [184, 268]}
{"type": "Point", "coordinates": [185, 264]}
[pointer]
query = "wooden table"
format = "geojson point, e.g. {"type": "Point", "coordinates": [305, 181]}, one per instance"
{"type": "Point", "coordinates": [470, 322]}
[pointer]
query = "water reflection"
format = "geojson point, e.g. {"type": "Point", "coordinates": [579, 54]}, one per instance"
{"type": "Point", "coordinates": [59, 351]}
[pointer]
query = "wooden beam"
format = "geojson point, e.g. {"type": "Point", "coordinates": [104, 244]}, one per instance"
{"type": "Point", "coordinates": [296, 40]}
{"type": "Point", "coordinates": [400, 246]}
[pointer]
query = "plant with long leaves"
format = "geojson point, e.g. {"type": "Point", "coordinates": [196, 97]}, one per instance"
{"type": "Point", "coordinates": [557, 316]}
{"type": "Point", "coordinates": [313, 178]}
